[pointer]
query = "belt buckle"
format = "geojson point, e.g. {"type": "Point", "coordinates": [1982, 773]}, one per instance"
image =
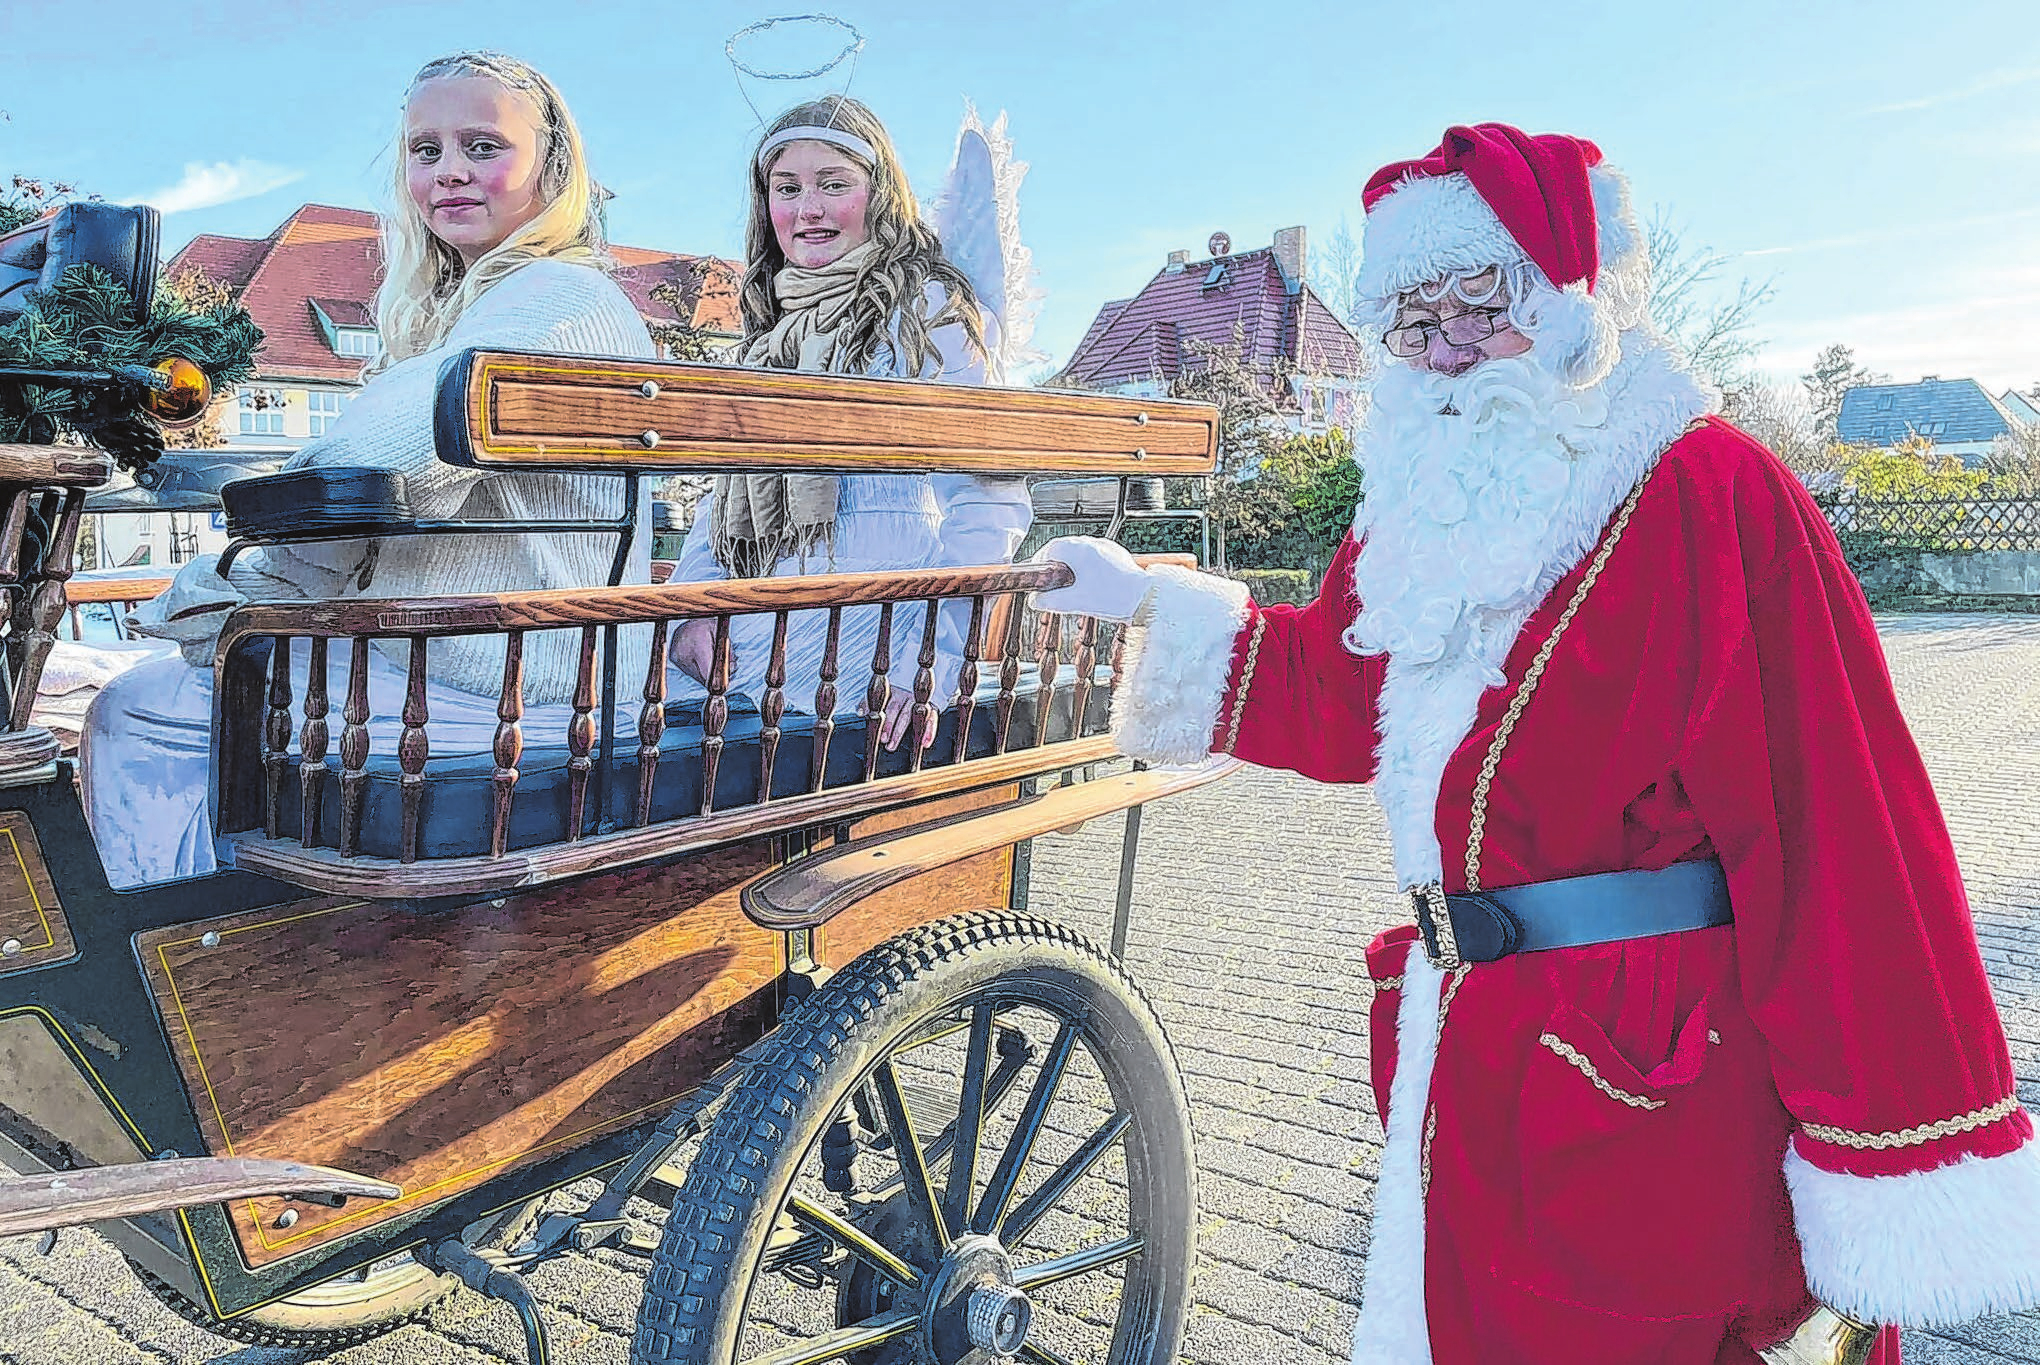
{"type": "Point", "coordinates": [1434, 925]}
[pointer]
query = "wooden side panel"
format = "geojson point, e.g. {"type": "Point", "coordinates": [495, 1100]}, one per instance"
{"type": "Point", "coordinates": [973, 884]}
{"type": "Point", "coordinates": [33, 929]}
{"type": "Point", "coordinates": [436, 1050]}
{"type": "Point", "coordinates": [53, 465]}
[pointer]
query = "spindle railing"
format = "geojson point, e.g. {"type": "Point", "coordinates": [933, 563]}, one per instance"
{"type": "Point", "coordinates": [42, 502]}
{"type": "Point", "coordinates": [256, 662]}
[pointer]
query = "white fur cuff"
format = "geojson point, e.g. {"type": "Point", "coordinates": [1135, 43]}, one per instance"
{"type": "Point", "coordinates": [1928, 1249]}
{"type": "Point", "coordinates": [1178, 665]}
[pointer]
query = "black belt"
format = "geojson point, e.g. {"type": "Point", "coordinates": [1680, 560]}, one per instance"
{"type": "Point", "coordinates": [1571, 912]}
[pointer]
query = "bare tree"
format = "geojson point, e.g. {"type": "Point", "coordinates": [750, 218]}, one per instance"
{"type": "Point", "coordinates": [1335, 273]}
{"type": "Point", "coordinates": [2013, 462]}
{"type": "Point", "coordinates": [1783, 419]}
{"type": "Point", "coordinates": [1834, 373]}
{"type": "Point", "coordinates": [680, 338]}
{"type": "Point", "coordinates": [1692, 302]}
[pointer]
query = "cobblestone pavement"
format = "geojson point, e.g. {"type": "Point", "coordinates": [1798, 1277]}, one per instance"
{"type": "Point", "coordinates": [1252, 953]}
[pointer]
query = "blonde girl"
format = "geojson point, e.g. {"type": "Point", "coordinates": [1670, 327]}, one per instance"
{"type": "Point", "coordinates": [494, 240]}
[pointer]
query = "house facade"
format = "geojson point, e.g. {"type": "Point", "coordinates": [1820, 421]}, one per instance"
{"type": "Point", "coordinates": [2024, 406]}
{"type": "Point", "coordinates": [310, 286]}
{"type": "Point", "coordinates": [1309, 361]}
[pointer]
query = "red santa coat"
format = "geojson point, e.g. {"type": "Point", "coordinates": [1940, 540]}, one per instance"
{"type": "Point", "coordinates": [1648, 1151]}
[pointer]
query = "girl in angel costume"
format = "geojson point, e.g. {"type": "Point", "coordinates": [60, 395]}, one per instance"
{"type": "Point", "coordinates": [846, 278]}
{"type": "Point", "coordinates": [496, 241]}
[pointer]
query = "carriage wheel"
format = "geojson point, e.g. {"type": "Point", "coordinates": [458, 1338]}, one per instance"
{"type": "Point", "coordinates": [1026, 1186]}
{"type": "Point", "coordinates": [347, 1309]}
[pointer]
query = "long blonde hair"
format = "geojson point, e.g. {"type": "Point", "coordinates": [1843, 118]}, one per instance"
{"type": "Point", "coordinates": [890, 308]}
{"type": "Point", "coordinates": [426, 286]}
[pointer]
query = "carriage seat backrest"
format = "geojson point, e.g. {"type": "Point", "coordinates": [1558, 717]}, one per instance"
{"type": "Point", "coordinates": [506, 410]}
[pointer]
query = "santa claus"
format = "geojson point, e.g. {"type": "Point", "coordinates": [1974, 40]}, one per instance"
{"type": "Point", "coordinates": [1690, 1035]}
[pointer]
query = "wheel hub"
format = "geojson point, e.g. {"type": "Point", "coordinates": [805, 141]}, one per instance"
{"type": "Point", "coordinates": [975, 1314]}
{"type": "Point", "coordinates": [997, 1317]}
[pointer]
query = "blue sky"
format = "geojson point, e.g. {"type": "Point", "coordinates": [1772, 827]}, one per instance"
{"type": "Point", "coordinates": [1878, 163]}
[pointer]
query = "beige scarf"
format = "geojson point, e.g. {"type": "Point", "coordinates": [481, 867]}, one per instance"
{"type": "Point", "coordinates": [762, 518]}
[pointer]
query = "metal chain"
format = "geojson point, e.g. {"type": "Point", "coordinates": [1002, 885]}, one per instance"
{"type": "Point", "coordinates": [1477, 827]}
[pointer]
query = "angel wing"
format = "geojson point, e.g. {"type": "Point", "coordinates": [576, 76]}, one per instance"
{"type": "Point", "coordinates": [977, 217]}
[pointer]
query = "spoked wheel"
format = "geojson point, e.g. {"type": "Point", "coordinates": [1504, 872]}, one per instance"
{"type": "Point", "coordinates": [970, 1144]}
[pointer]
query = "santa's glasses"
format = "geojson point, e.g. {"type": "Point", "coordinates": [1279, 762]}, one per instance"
{"type": "Point", "coordinates": [1470, 328]}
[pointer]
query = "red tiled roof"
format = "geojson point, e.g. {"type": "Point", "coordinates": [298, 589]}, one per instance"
{"type": "Point", "coordinates": [1326, 344]}
{"type": "Point", "coordinates": [1106, 317]}
{"type": "Point", "coordinates": [319, 252]}
{"type": "Point", "coordinates": [224, 260]}
{"type": "Point", "coordinates": [707, 287]}
{"type": "Point", "coordinates": [332, 257]}
{"type": "Point", "coordinates": [1249, 305]}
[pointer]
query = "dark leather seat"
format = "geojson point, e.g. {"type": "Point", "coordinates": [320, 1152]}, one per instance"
{"type": "Point", "coordinates": [455, 811]}
{"type": "Point", "coordinates": [317, 502]}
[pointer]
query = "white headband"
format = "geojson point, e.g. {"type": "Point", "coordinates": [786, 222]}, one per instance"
{"type": "Point", "coordinates": [805, 133]}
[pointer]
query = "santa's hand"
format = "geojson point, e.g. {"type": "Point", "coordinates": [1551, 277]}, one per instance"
{"type": "Point", "coordinates": [1109, 585]}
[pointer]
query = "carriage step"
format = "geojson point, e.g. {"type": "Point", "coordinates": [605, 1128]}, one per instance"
{"type": "Point", "coordinates": [819, 887]}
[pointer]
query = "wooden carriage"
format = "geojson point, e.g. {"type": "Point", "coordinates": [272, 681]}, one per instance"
{"type": "Point", "coordinates": [729, 954]}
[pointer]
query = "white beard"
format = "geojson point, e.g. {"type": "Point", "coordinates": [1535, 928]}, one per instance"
{"type": "Point", "coordinates": [1480, 494]}
{"type": "Point", "coordinates": [1482, 491]}
{"type": "Point", "coordinates": [1467, 524]}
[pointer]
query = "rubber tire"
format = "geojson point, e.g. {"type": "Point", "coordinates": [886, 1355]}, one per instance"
{"type": "Point", "coordinates": [698, 1294]}
{"type": "Point", "coordinates": [339, 1313]}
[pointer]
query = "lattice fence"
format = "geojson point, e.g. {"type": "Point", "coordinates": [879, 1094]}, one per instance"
{"type": "Point", "coordinates": [1938, 525]}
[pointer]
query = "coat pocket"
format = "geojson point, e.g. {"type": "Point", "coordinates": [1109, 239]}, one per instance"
{"type": "Point", "coordinates": [1387, 958]}
{"type": "Point", "coordinates": [1574, 1039]}
{"type": "Point", "coordinates": [1624, 1180]}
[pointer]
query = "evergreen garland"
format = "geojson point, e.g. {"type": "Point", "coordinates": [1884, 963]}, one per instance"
{"type": "Point", "coordinates": [89, 321]}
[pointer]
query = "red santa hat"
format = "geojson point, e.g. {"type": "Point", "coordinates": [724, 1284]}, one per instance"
{"type": "Point", "coordinates": [1492, 195]}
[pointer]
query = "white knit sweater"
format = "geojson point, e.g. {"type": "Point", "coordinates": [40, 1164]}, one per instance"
{"type": "Point", "coordinates": [553, 306]}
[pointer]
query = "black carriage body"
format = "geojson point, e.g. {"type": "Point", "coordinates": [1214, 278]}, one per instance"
{"type": "Point", "coordinates": [106, 1018]}
{"type": "Point", "coordinates": [99, 1013]}
{"type": "Point", "coordinates": [103, 1020]}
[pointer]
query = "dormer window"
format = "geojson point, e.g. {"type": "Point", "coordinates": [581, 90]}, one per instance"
{"type": "Point", "coordinates": [348, 327]}
{"type": "Point", "coordinates": [1216, 277]}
